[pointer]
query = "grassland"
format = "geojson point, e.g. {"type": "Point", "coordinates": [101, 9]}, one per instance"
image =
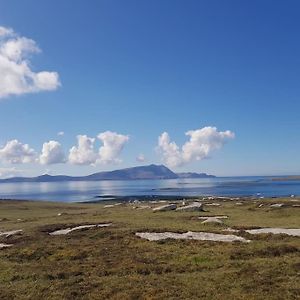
{"type": "Point", "coordinates": [112, 263]}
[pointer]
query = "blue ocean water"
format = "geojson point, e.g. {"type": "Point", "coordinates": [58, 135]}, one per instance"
{"type": "Point", "coordinates": [88, 190]}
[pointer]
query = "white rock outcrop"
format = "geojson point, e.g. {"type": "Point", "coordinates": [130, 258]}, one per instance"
{"type": "Point", "coordinates": [68, 230]}
{"type": "Point", "coordinates": [195, 206]}
{"type": "Point", "coordinates": [166, 207]}
{"type": "Point", "coordinates": [190, 235]}
{"type": "Point", "coordinates": [292, 232]}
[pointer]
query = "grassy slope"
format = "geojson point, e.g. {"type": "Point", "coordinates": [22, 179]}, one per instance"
{"type": "Point", "coordinates": [112, 263]}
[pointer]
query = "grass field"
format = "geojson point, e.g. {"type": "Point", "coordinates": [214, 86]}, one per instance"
{"type": "Point", "coordinates": [113, 263]}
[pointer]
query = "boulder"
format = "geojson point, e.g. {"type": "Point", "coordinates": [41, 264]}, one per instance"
{"type": "Point", "coordinates": [212, 220]}
{"type": "Point", "coordinates": [166, 207]}
{"type": "Point", "coordinates": [195, 206]}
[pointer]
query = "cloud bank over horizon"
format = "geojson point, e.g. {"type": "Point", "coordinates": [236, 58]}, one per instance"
{"type": "Point", "coordinates": [16, 74]}
{"type": "Point", "coordinates": [84, 153]}
{"type": "Point", "coordinates": [202, 142]}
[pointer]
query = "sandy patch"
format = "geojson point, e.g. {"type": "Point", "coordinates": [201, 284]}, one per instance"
{"type": "Point", "coordinates": [68, 230]}
{"type": "Point", "coordinates": [190, 235]}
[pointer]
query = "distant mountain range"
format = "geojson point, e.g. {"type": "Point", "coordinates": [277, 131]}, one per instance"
{"type": "Point", "coordinates": [135, 173]}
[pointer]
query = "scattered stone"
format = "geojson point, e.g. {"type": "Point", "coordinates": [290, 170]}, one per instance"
{"type": "Point", "coordinates": [213, 204]}
{"type": "Point", "coordinates": [200, 236]}
{"type": "Point", "coordinates": [238, 203]}
{"type": "Point", "coordinates": [112, 205]}
{"type": "Point", "coordinates": [62, 214]}
{"type": "Point", "coordinates": [212, 220]}
{"type": "Point", "coordinates": [10, 233]}
{"type": "Point", "coordinates": [68, 230]}
{"type": "Point", "coordinates": [230, 230]}
{"type": "Point", "coordinates": [260, 205]}
{"type": "Point", "coordinates": [143, 207]}
{"type": "Point", "coordinates": [5, 245]}
{"type": "Point", "coordinates": [296, 205]}
{"type": "Point", "coordinates": [195, 206]}
{"type": "Point", "coordinates": [217, 217]}
{"type": "Point", "coordinates": [136, 202]}
{"type": "Point", "coordinates": [166, 207]}
{"type": "Point", "coordinates": [277, 205]}
{"type": "Point", "coordinates": [292, 232]}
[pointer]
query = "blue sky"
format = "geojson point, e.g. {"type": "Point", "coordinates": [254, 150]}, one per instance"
{"type": "Point", "coordinates": [137, 69]}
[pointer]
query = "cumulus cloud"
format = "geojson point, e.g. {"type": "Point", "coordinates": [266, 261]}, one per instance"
{"type": "Point", "coordinates": [60, 133]}
{"type": "Point", "coordinates": [4, 31]}
{"type": "Point", "coordinates": [52, 153]}
{"type": "Point", "coordinates": [17, 153]}
{"type": "Point", "coordinates": [199, 146]}
{"type": "Point", "coordinates": [140, 158]}
{"type": "Point", "coordinates": [83, 153]}
{"type": "Point", "coordinates": [16, 75]}
{"type": "Point", "coordinates": [113, 144]}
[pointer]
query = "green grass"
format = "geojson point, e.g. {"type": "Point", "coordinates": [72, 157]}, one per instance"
{"type": "Point", "coordinates": [112, 263]}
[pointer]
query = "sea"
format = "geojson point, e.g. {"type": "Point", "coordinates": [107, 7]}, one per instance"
{"type": "Point", "coordinates": [84, 191]}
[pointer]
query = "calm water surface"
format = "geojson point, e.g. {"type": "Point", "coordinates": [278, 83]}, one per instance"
{"type": "Point", "coordinates": [88, 190]}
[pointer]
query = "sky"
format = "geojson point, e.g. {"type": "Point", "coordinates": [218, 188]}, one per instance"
{"type": "Point", "coordinates": [206, 86]}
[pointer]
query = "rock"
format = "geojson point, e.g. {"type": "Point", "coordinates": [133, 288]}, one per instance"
{"type": "Point", "coordinates": [10, 233]}
{"type": "Point", "coordinates": [230, 230]}
{"type": "Point", "coordinates": [62, 214]}
{"type": "Point", "coordinates": [68, 230]}
{"type": "Point", "coordinates": [195, 206]}
{"type": "Point", "coordinates": [217, 217]}
{"type": "Point", "coordinates": [143, 207]}
{"type": "Point", "coordinates": [200, 236]}
{"type": "Point", "coordinates": [277, 205]}
{"type": "Point", "coordinates": [213, 204]}
{"type": "Point", "coordinates": [212, 220]}
{"type": "Point", "coordinates": [166, 207]}
{"type": "Point", "coordinates": [292, 232]}
{"type": "Point", "coordinates": [5, 245]}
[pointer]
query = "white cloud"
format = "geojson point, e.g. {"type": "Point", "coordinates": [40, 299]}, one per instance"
{"type": "Point", "coordinates": [52, 153]}
{"type": "Point", "coordinates": [4, 31]}
{"type": "Point", "coordinates": [140, 158]}
{"type": "Point", "coordinates": [9, 172]}
{"type": "Point", "coordinates": [83, 153]}
{"type": "Point", "coordinates": [201, 143]}
{"type": "Point", "coordinates": [60, 133]}
{"type": "Point", "coordinates": [17, 153]}
{"type": "Point", "coordinates": [113, 144]}
{"type": "Point", "coordinates": [16, 76]}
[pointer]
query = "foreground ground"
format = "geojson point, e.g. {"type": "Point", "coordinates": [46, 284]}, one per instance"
{"type": "Point", "coordinates": [113, 263]}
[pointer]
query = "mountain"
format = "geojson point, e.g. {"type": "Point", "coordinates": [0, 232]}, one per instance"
{"type": "Point", "coordinates": [142, 172]}
{"type": "Point", "coordinates": [194, 175]}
